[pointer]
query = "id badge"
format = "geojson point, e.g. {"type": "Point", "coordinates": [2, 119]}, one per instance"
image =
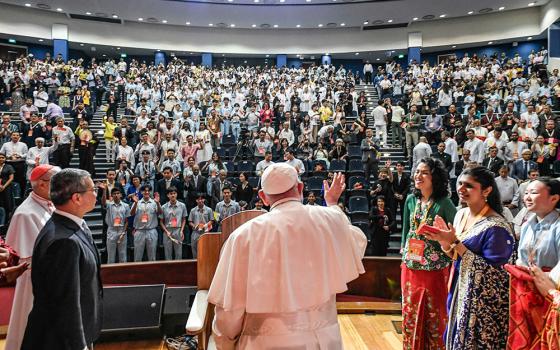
{"type": "Point", "coordinates": [509, 122]}
{"type": "Point", "coordinates": [540, 159]}
{"type": "Point", "coordinates": [530, 125]}
{"type": "Point", "coordinates": [550, 140]}
{"type": "Point", "coordinates": [30, 133]}
{"type": "Point", "coordinates": [173, 222]}
{"type": "Point", "coordinates": [261, 150]}
{"type": "Point", "coordinates": [416, 249]}
{"type": "Point", "coordinates": [117, 222]}
{"type": "Point", "coordinates": [144, 218]}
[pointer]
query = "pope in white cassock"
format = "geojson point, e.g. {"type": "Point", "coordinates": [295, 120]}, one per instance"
{"type": "Point", "coordinates": [279, 273]}
{"type": "Point", "coordinates": [28, 219]}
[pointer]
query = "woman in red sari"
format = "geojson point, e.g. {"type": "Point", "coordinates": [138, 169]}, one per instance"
{"type": "Point", "coordinates": [425, 267]}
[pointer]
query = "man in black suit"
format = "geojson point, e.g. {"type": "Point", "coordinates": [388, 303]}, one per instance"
{"type": "Point", "coordinates": [401, 187]}
{"type": "Point", "coordinates": [459, 133]}
{"type": "Point", "coordinates": [125, 130]}
{"type": "Point", "coordinates": [493, 163]}
{"type": "Point", "coordinates": [217, 187]}
{"type": "Point", "coordinates": [444, 157]}
{"type": "Point", "coordinates": [199, 181]}
{"type": "Point", "coordinates": [168, 181]}
{"type": "Point", "coordinates": [68, 295]}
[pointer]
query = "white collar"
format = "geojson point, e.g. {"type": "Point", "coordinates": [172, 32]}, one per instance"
{"type": "Point", "coordinates": [72, 217]}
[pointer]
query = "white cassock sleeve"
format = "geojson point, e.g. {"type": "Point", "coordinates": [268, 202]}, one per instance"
{"type": "Point", "coordinates": [227, 327]}
{"type": "Point", "coordinates": [23, 231]}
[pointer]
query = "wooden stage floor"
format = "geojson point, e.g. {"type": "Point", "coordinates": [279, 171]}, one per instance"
{"type": "Point", "coordinates": [359, 332]}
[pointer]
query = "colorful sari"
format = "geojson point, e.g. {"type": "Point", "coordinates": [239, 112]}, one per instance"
{"type": "Point", "coordinates": [478, 300]}
{"type": "Point", "coordinates": [424, 277]}
{"type": "Point", "coordinates": [550, 335]}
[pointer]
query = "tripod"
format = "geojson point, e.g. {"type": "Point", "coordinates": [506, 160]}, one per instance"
{"type": "Point", "coordinates": [243, 150]}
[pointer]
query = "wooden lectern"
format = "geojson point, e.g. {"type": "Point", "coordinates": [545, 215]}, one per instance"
{"type": "Point", "coordinates": [200, 318]}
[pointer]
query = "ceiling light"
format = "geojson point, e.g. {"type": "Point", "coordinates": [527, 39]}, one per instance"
{"type": "Point", "coordinates": [490, 42]}
{"type": "Point", "coordinates": [342, 24]}
{"type": "Point", "coordinates": [529, 38]}
{"type": "Point", "coordinates": [275, 26]}
{"type": "Point", "coordinates": [357, 53]}
{"type": "Point", "coordinates": [366, 22]}
{"type": "Point", "coordinates": [327, 54]}
{"type": "Point", "coordinates": [81, 44]}
{"type": "Point", "coordinates": [232, 25]}
{"type": "Point", "coordinates": [59, 9]}
{"type": "Point", "coordinates": [298, 25]}
{"type": "Point", "coordinates": [531, 4]}
{"type": "Point", "coordinates": [188, 23]}
{"type": "Point", "coordinates": [442, 16]}
{"type": "Point", "coordinates": [164, 21]}
{"type": "Point", "coordinates": [267, 55]}
{"type": "Point", "coordinates": [320, 25]}
{"type": "Point", "coordinates": [158, 50]}
{"type": "Point", "coordinates": [115, 16]}
{"type": "Point", "coordinates": [118, 48]}
{"type": "Point", "coordinates": [28, 5]}
{"type": "Point", "coordinates": [282, 0]}
{"type": "Point", "coordinates": [41, 40]}
{"type": "Point", "coordinates": [415, 19]}
{"type": "Point", "coordinates": [253, 25]}
{"type": "Point", "coordinates": [210, 24]}
{"type": "Point", "coordinates": [88, 13]}
{"type": "Point", "coordinates": [230, 0]}
{"type": "Point", "coordinates": [390, 21]}
{"type": "Point", "coordinates": [501, 8]}
{"type": "Point", "coordinates": [104, 55]}
{"type": "Point", "coordinates": [470, 12]}
{"type": "Point", "coordinates": [379, 59]}
{"type": "Point", "coordinates": [223, 54]}
{"type": "Point", "coordinates": [454, 46]}
{"type": "Point", "coordinates": [255, 0]}
{"type": "Point", "coordinates": [140, 19]}
{"type": "Point", "coordinates": [307, 0]}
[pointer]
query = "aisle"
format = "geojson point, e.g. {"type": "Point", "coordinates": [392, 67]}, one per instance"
{"type": "Point", "coordinates": [359, 332]}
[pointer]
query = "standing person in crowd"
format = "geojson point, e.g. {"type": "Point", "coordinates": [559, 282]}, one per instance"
{"type": "Point", "coordinates": [226, 207]}
{"type": "Point", "coordinates": [7, 174]}
{"type": "Point", "coordinates": [380, 122]}
{"type": "Point", "coordinates": [507, 187]}
{"type": "Point", "coordinates": [68, 294]}
{"type": "Point", "coordinates": [370, 154]}
{"type": "Point", "coordinates": [420, 151]}
{"type": "Point", "coordinates": [172, 222]}
{"type": "Point", "coordinates": [87, 148]}
{"type": "Point", "coordinates": [65, 138]}
{"type": "Point", "coordinates": [201, 220]}
{"type": "Point", "coordinates": [146, 169]}
{"type": "Point", "coordinates": [28, 219]}
{"type": "Point", "coordinates": [109, 137]}
{"type": "Point", "coordinates": [382, 223]}
{"type": "Point", "coordinates": [368, 72]}
{"type": "Point", "coordinates": [476, 147]}
{"type": "Point", "coordinates": [145, 212]}
{"type": "Point", "coordinates": [401, 187]}
{"type": "Point", "coordinates": [15, 152]}
{"type": "Point", "coordinates": [480, 242]}
{"type": "Point", "coordinates": [116, 219]}
{"type": "Point", "coordinates": [397, 118]}
{"type": "Point", "coordinates": [38, 155]}
{"type": "Point", "coordinates": [521, 167]}
{"type": "Point", "coordinates": [249, 292]}
{"type": "Point", "coordinates": [411, 126]}
{"type": "Point", "coordinates": [425, 268]}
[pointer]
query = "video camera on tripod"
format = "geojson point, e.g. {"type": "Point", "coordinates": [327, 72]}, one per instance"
{"type": "Point", "coordinates": [244, 148]}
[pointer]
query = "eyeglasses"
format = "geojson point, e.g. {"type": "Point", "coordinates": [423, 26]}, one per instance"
{"type": "Point", "coordinates": [94, 190]}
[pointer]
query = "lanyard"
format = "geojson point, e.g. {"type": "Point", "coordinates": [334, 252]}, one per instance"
{"type": "Point", "coordinates": [414, 219]}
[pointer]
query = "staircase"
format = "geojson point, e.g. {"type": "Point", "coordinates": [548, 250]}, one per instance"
{"type": "Point", "coordinates": [387, 153]}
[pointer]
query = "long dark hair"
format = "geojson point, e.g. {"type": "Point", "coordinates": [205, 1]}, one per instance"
{"type": "Point", "coordinates": [553, 186]}
{"type": "Point", "coordinates": [440, 180]}
{"type": "Point", "coordinates": [486, 179]}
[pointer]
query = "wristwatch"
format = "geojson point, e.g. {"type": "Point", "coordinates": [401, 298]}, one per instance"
{"type": "Point", "coordinates": [451, 246]}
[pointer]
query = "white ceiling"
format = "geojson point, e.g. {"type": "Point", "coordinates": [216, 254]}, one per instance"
{"type": "Point", "coordinates": [266, 14]}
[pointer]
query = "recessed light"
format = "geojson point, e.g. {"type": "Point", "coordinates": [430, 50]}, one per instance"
{"type": "Point", "coordinates": [164, 21]}
{"type": "Point", "coordinates": [320, 25]}
{"type": "Point", "coordinates": [28, 5]}
{"type": "Point", "coordinates": [531, 4]}
{"type": "Point", "coordinates": [88, 13]}
{"type": "Point", "coordinates": [81, 44]}
{"type": "Point", "coordinates": [188, 23]}
{"type": "Point", "coordinates": [118, 48]}
{"type": "Point", "coordinates": [529, 38]}
{"type": "Point", "coordinates": [357, 53]}
{"type": "Point", "coordinates": [232, 25]}
{"type": "Point", "coordinates": [275, 26]}
{"type": "Point", "coordinates": [282, 0]}
{"type": "Point", "coordinates": [230, 0]}
{"type": "Point", "coordinates": [59, 9]}
{"type": "Point", "coordinates": [501, 8]}
{"type": "Point", "coordinates": [470, 12]}
{"type": "Point", "coordinates": [454, 46]}
{"type": "Point", "coordinates": [342, 24]}
{"type": "Point", "coordinates": [267, 56]}
{"type": "Point", "coordinates": [158, 50]}
{"type": "Point", "coordinates": [104, 55]}
{"type": "Point", "coordinates": [253, 25]}
{"type": "Point", "coordinates": [211, 24]}
{"type": "Point", "coordinates": [298, 25]}
{"type": "Point", "coordinates": [115, 16]}
{"type": "Point", "coordinates": [307, 0]}
{"type": "Point", "coordinates": [415, 19]}
{"type": "Point", "coordinates": [390, 21]}
{"type": "Point", "coordinates": [41, 40]}
{"type": "Point", "coordinates": [255, 0]}
{"type": "Point", "coordinates": [327, 54]}
{"type": "Point", "coordinates": [442, 16]}
{"type": "Point", "coordinates": [379, 59]}
{"type": "Point", "coordinates": [223, 54]}
{"type": "Point", "coordinates": [366, 22]}
{"type": "Point", "coordinates": [140, 19]}
{"type": "Point", "coordinates": [490, 42]}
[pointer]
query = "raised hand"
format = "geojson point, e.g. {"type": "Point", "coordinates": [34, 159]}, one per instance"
{"type": "Point", "coordinates": [333, 191]}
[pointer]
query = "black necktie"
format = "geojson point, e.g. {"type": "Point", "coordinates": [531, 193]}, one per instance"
{"type": "Point", "coordinates": [526, 169]}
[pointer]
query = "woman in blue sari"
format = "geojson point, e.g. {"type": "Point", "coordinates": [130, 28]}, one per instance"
{"type": "Point", "coordinates": [480, 242]}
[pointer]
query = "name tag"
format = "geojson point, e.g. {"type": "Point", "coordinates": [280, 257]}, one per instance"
{"type": "Point", "coordinates": [550, 140]}
{"type": "Point", "coordinates": [509, 122]}
{"type": "Point", "coordinates": [117, 222]}
{"type": "Point", "coordinates": [173, 222]}
{"type": "Point", "coordinates": [416, 250]}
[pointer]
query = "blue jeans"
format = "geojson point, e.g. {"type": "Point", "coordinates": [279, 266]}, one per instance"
{"type": "Point", "coordinates": [225, 127]}
{"type": "Point", "coordinates": [236, 130]}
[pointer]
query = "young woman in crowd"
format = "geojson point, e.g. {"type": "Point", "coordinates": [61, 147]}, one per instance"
{"type": "Point", "coordinates": [425, 267]}
{"type": "Point", "coordinates": [480, 241]}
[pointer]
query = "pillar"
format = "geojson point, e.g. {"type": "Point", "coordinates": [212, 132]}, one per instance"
{"type": "Point", "coordinates": [281, 61]}
{"type": "Point", "coordinates": [160, 57]}
{"type": "Point", "coordinates": [554, 46]}
{"type": "Point", "coordinates": [414, 46]}
{"type": "Point", "coordinates": [207, 59]}
{"type": "Point", "coordinates": [60, 40]}
{"type": "Point", "coordinates": [326, 59]}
